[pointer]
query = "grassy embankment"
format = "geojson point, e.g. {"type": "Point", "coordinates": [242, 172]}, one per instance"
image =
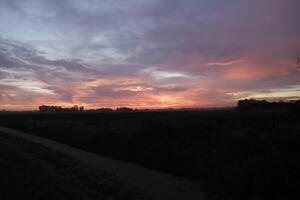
{"type": "Point", "coordinates": [31, 171]}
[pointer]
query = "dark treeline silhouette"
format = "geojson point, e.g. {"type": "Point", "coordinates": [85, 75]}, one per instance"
{"type": "Point", "coordinates": [248, 104]}
{"type": "Point", "coordinates": [101, 110]}
{"type": "Point", "coordinates": [75, 108]}
{"type": "Point", "coordinates": [120, 109]}
{"type": "Point", "coordinates": [124, 109]}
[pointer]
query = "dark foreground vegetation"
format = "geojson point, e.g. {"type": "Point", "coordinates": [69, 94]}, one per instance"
{"type": "Point", "coordinates": [236, 153]}
{"type": "Point", "coordinates": [30, 171]}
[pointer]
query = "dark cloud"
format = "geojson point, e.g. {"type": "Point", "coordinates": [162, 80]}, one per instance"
{"type": "Point", "coordinates": [14, 54]}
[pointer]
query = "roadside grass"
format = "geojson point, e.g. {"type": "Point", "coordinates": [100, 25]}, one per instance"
{"type": "Point", "coordinates": [31, 171]}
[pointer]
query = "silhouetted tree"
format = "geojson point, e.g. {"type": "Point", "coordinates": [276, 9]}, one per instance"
{"type": "Point", "coordinates": [81, 108]}
{"type": "Point", "coordinates": [75, 108]}
{"type": "Point", "coordinates": [126, 109]}
{"type": "Point", "coordinates": [263, 104]}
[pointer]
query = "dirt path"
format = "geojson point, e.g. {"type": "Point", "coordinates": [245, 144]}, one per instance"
{"type": "Point", "coordinates": [161, 185]}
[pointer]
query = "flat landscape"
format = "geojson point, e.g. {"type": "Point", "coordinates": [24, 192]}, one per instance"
{"type": "Point", "coordinates": [233, 153]}
{"type": "Point", "coordinates": [140, 100]}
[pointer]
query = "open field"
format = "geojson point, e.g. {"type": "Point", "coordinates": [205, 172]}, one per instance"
{"type": "Point", "coordinates": [235, 154]}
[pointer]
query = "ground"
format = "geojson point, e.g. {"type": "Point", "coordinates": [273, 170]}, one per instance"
{"type": "Point", "coordinates": [31, 171]}
{"type": "Point", "coordinates": [234, 153]}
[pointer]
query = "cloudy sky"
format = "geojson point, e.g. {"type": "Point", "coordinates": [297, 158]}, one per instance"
{"type": "Point", "coordinates": [147, 54]}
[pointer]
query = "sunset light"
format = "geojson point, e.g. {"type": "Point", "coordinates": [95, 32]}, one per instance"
{"type": "Point", "coordinates": [145, 54]}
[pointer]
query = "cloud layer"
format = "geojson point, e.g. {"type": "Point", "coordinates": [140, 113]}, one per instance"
{"type": "Point", "coordinates": [147, 54]}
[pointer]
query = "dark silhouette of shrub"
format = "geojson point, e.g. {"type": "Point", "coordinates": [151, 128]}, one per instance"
{"type": "Point", "coordinates": [248, 104]}
{"type": "Point", "coordinates": [75, 108]}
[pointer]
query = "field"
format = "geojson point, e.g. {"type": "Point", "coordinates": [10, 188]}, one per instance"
{"type": "Point", "coordinates": [236, 154]}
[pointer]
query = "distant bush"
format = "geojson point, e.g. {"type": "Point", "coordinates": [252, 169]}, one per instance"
{"type": "Point", "coordinates": [263, 104]}
{"type": "Point", "coordinates": [75, 108]}
{"type": "Point", "coordinates": [124, 109]}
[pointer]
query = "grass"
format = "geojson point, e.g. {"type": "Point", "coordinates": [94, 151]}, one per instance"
{"type": "Point", "coordinates": [235, 154]}
{"type": "Point", "coordinates": [31, 171]}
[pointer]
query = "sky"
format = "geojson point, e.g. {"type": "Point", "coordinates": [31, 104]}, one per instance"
{"type": "Point", "coordinates": [147, 54]}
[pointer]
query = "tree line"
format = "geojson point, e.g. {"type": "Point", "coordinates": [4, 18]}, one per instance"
{"type": "Point", "coordinates": [263, 104]}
